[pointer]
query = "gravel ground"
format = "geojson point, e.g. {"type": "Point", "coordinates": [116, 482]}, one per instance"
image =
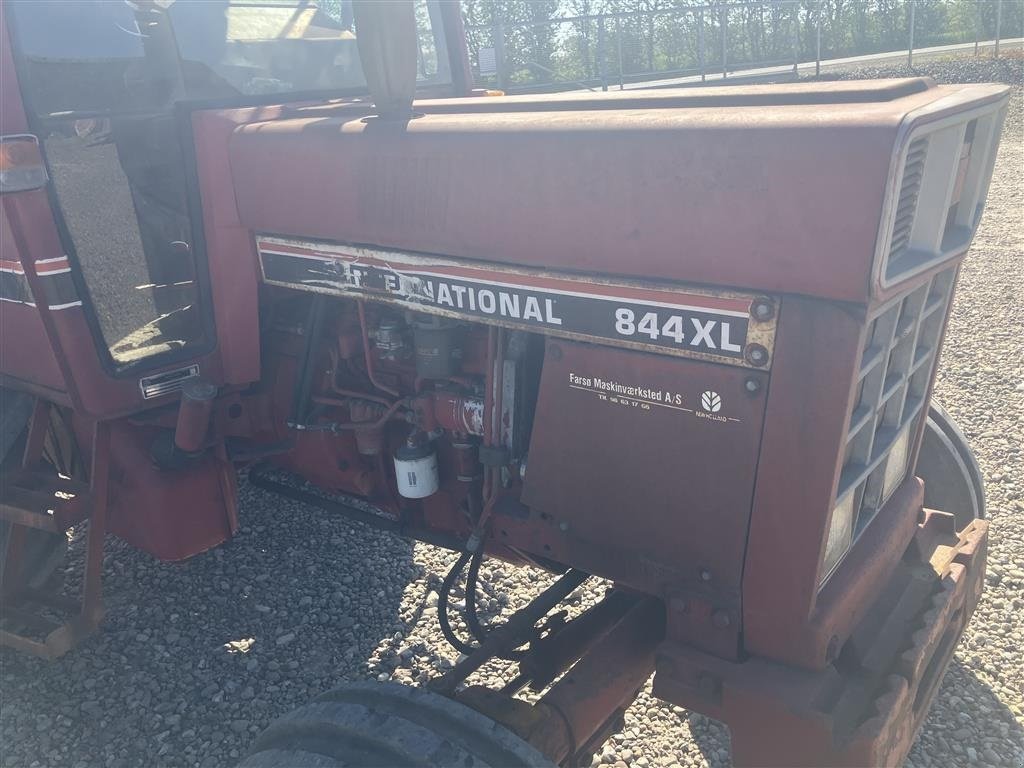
{"type": "Point", "coordinates": [234, 639]}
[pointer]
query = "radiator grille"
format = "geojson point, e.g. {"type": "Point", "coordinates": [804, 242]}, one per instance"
{"type": "Point", "coordinates": [897, 364]}
{"type": "Point", "coordinates": [906, 203]}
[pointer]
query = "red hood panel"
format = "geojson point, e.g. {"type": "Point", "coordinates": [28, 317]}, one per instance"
{"type": "Point", "coordinates": [726, 187]}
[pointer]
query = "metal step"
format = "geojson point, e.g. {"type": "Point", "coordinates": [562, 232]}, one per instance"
{"type": "Point", "coordinates": [36, 500]}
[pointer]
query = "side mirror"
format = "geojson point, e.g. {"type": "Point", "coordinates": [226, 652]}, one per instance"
{"type": "Point", "coordinates": [386, 38]}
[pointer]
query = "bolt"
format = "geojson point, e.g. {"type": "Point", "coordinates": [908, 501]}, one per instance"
{"type": "Point", "coordinates": [720, 619]}
{"type": "Point", "coordinates": [705, 574]}
{"type": "Point", "coordinates": [563, 526]}
{"type": "Point", "coordinates": [762, 310]}
{"type": "Point", "coordinates": [752, 385]}
{"type": "Point", "coordinates": [757, 355]}
{"type": "Point", "coordinates": [679, 605]}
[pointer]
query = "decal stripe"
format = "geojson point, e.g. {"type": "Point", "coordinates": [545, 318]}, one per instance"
{"type": "Point", "coordinates": [60, 290]}
{"type": "Point", "coordinates": [442, 267]}
{"type": "Point", "coordinates": [666, 319]}
{"type": "Point", "coordinates": [14, 286]}
{"type": "Point", "coordinates": [52, 266]}
{"type": "Point", "coordinates": [58, 285]}
{"type": "Point", "coordinates": [621, 295]}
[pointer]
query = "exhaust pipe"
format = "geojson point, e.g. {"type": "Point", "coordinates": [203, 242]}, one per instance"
{"type": "Point", "coordinates": [386, 39]}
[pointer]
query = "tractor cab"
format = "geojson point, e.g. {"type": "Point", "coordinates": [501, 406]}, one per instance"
{"type": "Point", "coordinates": [111, 91]}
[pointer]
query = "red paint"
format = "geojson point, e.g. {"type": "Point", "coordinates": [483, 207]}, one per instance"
{"type": "Point", "coordinates": [661, 203]}
{"type": "Point", "coordinates": [648, 491]}
{"type": "Point", "coordinates": [172, 515]}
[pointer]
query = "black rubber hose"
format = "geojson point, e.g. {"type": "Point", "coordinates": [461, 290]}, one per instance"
{"type": "Point", "coordinates": [472, 619]}
{"type": "Point", "coordinates": [442, 605]}
{"type": "Point", "coordinates": [300, 396]}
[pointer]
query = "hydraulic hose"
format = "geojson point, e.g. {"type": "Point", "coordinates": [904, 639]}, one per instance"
{"type": "Point", "coordinates": [300, 397]}
{"type": "Point", "coordinates": [472, 619]}
{"type": "Point", "coordinates": [442, 605]}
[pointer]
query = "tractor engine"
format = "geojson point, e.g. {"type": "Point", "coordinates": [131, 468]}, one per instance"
{"type": "Point", "coordinates": [391, 405]}
{"type": "Point", "coordinates": [558, 420]}
{"type": "Point", "coordinates": [462, 426]}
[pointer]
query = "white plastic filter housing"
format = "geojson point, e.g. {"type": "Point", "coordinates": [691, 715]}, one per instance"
{"type": "Point", "coordinates": [417, 478]}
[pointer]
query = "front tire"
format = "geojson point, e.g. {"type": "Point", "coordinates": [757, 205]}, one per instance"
{"type": "Point", "coordinates": [952, 478]}
{"type": "Point", "coordinates": [387, 724]}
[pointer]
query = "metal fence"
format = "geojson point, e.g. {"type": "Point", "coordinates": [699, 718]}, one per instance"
{"type": "Point", "coordinates": [722, 39]}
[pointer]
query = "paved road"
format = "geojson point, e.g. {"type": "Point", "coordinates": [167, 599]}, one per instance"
{"type": "Point", "coordinates": [808, 67]}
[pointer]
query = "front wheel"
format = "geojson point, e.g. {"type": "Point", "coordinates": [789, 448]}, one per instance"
{"type": "Point", "coordinates": [387, 724]}
{"type": "Point", "coordinates": [952, 478]}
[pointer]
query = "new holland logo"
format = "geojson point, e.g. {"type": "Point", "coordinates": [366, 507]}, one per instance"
{"type": "Point", "coordinates": [711, 401]}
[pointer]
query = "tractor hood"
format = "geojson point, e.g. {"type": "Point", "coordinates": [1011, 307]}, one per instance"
{"type": "Point", "coordinates": [780, 189]}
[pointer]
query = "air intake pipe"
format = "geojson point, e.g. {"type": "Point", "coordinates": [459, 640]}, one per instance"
{"type": "Point", "coordinates": [386, 38]}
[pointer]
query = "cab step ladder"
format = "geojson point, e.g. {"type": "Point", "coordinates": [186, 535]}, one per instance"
{"type": "Point", "coordinates": [33, 498]}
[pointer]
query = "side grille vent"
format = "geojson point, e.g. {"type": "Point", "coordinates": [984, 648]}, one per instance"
{"type": "Point", "coordinates": [936, 192]}
{"type": "Point", "coordinates": [906, 204]}
{"type": "Point", "coordinates": [897, 364]}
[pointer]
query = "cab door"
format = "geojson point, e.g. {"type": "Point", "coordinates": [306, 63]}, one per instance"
{"type": "Point", "coordinates": [111, 247]}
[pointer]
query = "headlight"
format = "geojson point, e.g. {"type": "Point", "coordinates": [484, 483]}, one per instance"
{"type": "Point", "coordinates": [896, 367]}
{"type": "Point", "coordinates": [896, 465]}
{"type": "Point", "coordinates": [840, 534]}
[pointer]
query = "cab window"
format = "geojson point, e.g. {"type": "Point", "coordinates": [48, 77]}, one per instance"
{"type": "Point", "coordinates": [103, 80]}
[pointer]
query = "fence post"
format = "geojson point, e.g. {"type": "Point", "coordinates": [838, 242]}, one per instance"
{"type": "Point", "coordinates": [723, 20]}
{"type": "Point", "coordinates": [796, 38]}
{"type": "Point", "coordinates": [977, 25]}
{"type": "Point", "coordinates": [999, 21]}
{"type": "Point", "coordinates": [700, 45]}
{"type": "Point", "coordinates": [499, 50]}
{"type": "Point", "coordinates": [817, 43]}
{"type": "Point", "coordinates": [618, 45]}
{"type": "Point", "coordinates": [910, 45]}
{"type": "Point", "coordinates": [602, 63]}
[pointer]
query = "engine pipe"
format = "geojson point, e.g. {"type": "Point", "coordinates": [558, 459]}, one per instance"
{"type": "Point", "coordinates": [311, 331]}
{"type": "Point", "coordinates": [360, 395]}
{"type": "Point", "coordinates": [492, 353]}
{"type": "Point", "coordinates": [368, 354]}
{"type": "Point", "coordinates": [194, 413]}
{"type": "Point", "coordinates": [492, 433]}
{"type": "Point", "coordinates": [335, 402]}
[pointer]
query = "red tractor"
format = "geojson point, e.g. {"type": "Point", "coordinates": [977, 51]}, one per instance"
{"type": "Point", "coordinates": [681, 340]}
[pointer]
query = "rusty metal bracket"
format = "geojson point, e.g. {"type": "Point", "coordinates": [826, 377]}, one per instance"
{"type": "Point", "coordinates": [30, 500]}
{"type": "Point", "coordinates": [866, 707]}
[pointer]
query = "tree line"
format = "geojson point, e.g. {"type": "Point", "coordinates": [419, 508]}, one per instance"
{"type": "Point", "coordinates": [527, 42]}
